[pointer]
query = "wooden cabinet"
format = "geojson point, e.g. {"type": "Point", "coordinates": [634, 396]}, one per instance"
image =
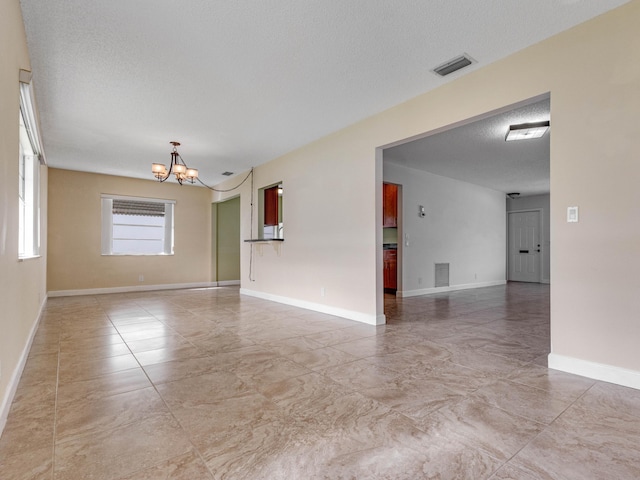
{"type": "Point", "coordinates": [389, 205]}
{"type": "Point", "coordinates": [271, 206]}
{"type": "Point", "coordinates": [390, 267]}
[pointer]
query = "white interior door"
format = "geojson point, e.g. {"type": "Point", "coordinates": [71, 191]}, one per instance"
{"type": "Point", "coordinates": [524, 246]}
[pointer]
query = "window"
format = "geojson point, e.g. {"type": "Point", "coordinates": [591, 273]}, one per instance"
{"type": "Point", "coordinates": [137, 226]}
{"type": "Point", "coordinates": [30, 157]}
{"type": "Point", "coordinates": [271, 225]}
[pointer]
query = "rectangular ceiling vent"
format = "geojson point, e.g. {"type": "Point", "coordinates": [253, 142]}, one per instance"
{"type": "Point", "coordinates": [453, 65]}
{"type": "Point", "coordinates": [227, 174]}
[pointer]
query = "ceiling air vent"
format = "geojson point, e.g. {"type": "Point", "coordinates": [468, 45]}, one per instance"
{"type": "Point", "coordinates": [453, 65]}
{"type": "Point", "coordinates": [227, 174]}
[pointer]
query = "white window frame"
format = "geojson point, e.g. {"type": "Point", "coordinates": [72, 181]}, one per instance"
{"type": "Point", "coordinates": [31, 156]}
{"type": "Point", "coordinates": [107, 224]}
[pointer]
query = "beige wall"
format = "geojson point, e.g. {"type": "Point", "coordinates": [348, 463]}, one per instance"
{"type": "Point", "coordinates": [332, 204]}
{"type": "Point", "coordinates": [75, 260]}
{"type": "Point", "coordinates": [22, 284]}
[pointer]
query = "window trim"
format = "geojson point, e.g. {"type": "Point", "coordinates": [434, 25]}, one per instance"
{"type": "Point", "coordinates": [30, 201]}
{"type": "Point", "coordinates": [106, 208]}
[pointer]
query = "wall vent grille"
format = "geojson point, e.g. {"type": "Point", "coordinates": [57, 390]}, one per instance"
{"type": "Point", "coordinates": [442, 275]}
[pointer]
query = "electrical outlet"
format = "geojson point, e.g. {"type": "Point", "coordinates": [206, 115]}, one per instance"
{"type": "Point", "coordinates": [419, 280]}
{"type": "Point", "coordinates": [141, 278]}
{"type": "Point", "coordinates": [322, 291]}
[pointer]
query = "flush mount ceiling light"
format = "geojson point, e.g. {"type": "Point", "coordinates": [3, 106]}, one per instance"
{"type": "Point", "coordinates": [513, 195]}
{"type": "Point", "coordinates": [177, 167]}
{"type": "Point", "coordinates": [525, 131]}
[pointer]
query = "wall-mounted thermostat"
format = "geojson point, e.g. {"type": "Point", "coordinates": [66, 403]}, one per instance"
{"type": "Point", "coordinates": [572, 214]}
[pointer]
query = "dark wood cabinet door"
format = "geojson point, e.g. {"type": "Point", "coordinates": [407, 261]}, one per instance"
{"type": "Point", "coordinates": [389, 205]}
{"type": "Point", "coordinates": [390, 265]}
{"type": "Point", "coordinates": [271, 206]}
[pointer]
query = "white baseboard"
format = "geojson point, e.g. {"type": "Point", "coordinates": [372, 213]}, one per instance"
{"type": "Point", "coordinates": [12, 386]}
{"type": "Point", "coordinates": [597, 371]}
{"type": "Point", "coordinates": [452, 288]}
{"type": "Point", "coordinates": [546, 281]}
{"type": "Point", "coordinates": [370, 319]}
{"type": "Point", "coordinates": [228, 283]}
{"type": "Point", "coordinates": [131, 288]}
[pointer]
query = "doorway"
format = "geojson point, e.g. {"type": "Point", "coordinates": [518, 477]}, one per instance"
{"type": "Point", "coordinates": [227, 239]}
{"type": "Point", "coordinates": [525, 246]}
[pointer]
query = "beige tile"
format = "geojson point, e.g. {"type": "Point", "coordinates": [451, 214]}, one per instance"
{"type": "Point", "coordinates": [479, 425]}
{"type": "Point", "coordinates": [169, 341]}
{"type": "Point", "coordinates": [146, 334]}
{"type": "Point", "coordinates": [131, 327]}
{"type": "Point", "coordinates": [274, 450]}
{"type": "Point", "coordinates": [180, 369]}
{"type": "Point", "coordinates": [553, 381]}
{"type": "Point", "coordinates": [333, 337]}
{"type": "Point", "coordinates": [161, 355]}
{"type": "Point", "coordinates": [525, 401]}
{"type": "Point", "coordinates": [82, 331]}
{"type": "Point", "coordinates": [88, 417]}
{"type": "Point", "coordinates": [444, 390]}
{"type": "Point", "coordinates": [557, 454]}
{"type": "Point", "coordinates": [270, 370]}
{"type": "Point", "coordinates": [40, 369]}
{"type": "Point", "coordinates": [322, 358]}
{"type": "Point", "coordinates": [188, 466]}
{"type": "Point", "coordinates": [27, 464]}
{"type": "Point", "coordinates": [202, 389]}
{"type": "Point", "coordinates": [416, 399]}
{"type": "Point", "coordinates": [362, 374]}
{"type": "Point", "coordinates": [609, 398]}
{"type": "Point", "coordinates": [374, 345]}
{"type": "Point", "coordinates": [218, 343]}
{"type": "Point", "coordinates": [215, 420]}
{"type": "Point", "coordinates": [305, 397]}
{"type": "Point", "coordinates": [81, 353]}
{"type": "Point", "coordinates": [431, 458]}
{"type": "Point", "coordinates": [243, 359]}
{"type": "Point", "coordinates": [121, 451]}
{"type": "Point", "coordinates": [96, 367]}
{"type": "Point", "coordinates": [509, 472]}
{"type": "Point", "coordinates": [111, 384]}
{"type": "Point", "coordinates": [30, 424]}
{"type": "Point", "coordinates": [87, 343]}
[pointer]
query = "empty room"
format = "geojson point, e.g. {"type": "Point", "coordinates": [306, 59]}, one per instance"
{"type": "Point", "coordinates": [359, 240]}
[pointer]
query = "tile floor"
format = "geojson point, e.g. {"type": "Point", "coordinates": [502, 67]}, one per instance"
{"type": "Point", "coordinates": [206, 384]}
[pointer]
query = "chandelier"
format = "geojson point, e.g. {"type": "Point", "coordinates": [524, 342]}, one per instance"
{"type": "Point", "coordinates": [177, 167]}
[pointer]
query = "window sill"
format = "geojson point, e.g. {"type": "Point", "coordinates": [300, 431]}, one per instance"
{"type": "Point", "coordinates": [26, 259]}
{"type": "Point", "coordinates": [137, 254]}
{"type": "Point", "coordinates": [264, 240]}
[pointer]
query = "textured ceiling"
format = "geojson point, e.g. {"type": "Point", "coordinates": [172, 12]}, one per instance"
{"type": "Point", "coordinates": [239, 83]}
{"type": "Point", "coordinates": [478, 153]}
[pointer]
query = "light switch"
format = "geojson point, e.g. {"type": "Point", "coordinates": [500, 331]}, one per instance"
{"type": "Point", "coordinates": [406, 239]}
{"type": "Point", "coordinates": [572, 214]}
